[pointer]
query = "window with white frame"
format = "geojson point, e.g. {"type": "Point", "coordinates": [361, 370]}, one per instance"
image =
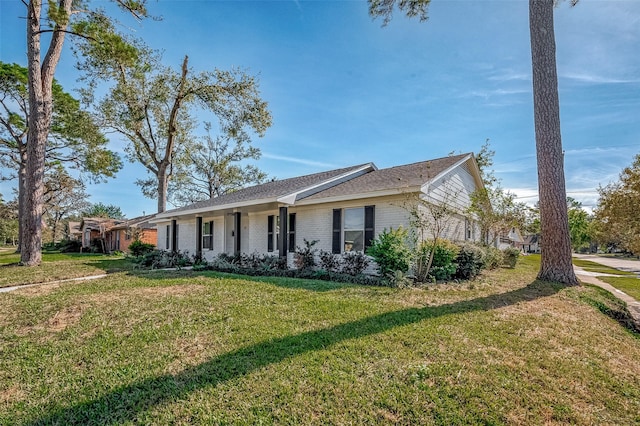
{"type": "Point", "coordinates": [207, 235]}
{"type": "Point", "coordinates": [353, 229]}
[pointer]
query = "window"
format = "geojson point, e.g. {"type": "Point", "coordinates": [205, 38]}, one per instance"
{"type": "Point", "coordinates": [292, 232]}
{"type": "Point", "coordinates": [207, 235]}
{"type": "Point", "coordinates": [353, 229]}
{"type": "Point", "coordinates": [270, 233]}
{"type": "Point", "coordinates": [167, 234]}
{"type": "Point", "coordinates": [273, 232]}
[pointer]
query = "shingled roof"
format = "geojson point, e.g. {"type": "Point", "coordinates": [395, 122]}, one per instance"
{"type": "Point", "coordinates": [393, 178]}
{"type": "Point", "coordinates": [349, 181]}
{"type": "Point", "coordinates": [274, 190]}
{"type": "Point", "coordinates": [141, 222]}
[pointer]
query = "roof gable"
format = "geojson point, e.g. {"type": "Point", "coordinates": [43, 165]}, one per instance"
{"type": "Point", "coordinates": [406, 177]}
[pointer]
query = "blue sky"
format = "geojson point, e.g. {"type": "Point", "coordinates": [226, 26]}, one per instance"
{"type": "Point", "coordinates": [343, 90]}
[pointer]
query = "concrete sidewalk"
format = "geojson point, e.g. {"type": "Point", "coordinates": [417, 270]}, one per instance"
{"type": "Point", "coordinates": [633, 306]}
{"type": "Point", "coordinates": [628, 265]}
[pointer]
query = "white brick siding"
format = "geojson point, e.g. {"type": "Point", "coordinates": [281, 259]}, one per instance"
{"type": "Point", "coordinates": [314, 222]}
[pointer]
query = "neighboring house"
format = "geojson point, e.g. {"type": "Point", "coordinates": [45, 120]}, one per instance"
{"type": "Point", "coordinates": [513, 238]}
{"type": "Point", "coordinates": [531, 244]}
{"type": "Point", "coordinates": [121, 235]}
{"type": "Point", "coordinates": [343, 209]}
{"type": "Point", "coordinates": [95, 228]}
{"type": "Point", "coordinates": [74, 232]}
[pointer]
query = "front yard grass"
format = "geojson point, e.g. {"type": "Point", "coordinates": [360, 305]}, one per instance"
{"type": "Point", "coordinates": [187, 347]}
{"type": "Point", "coordinates": [58, 266]}
{"type": "Point", "coordinates": [630, 285]}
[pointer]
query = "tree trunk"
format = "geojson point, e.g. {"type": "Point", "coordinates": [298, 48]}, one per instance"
{"type": "Point", "coordinates": [163, 182]}
{"type": "Point", "coordinates": [22, 191]}
{"type": "Point", "coordinates": [556, 244]}
{"type": "Point", "coordinates": [40, 109]}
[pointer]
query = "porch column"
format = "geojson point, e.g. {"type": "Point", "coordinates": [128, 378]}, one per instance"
{"type": "Point", "coordinates": [237, 224]}
{"type": "Point", "coordinates": [199, 236]}
{"type": "Point", "coordinates": [174, 235]}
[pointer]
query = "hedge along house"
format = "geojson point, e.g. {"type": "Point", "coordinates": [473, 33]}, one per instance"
{"type": "Point", "coordinates": [343, 209]}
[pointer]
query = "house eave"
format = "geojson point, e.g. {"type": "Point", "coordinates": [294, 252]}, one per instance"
{"type": "Point", "coordinates": [163, 217]}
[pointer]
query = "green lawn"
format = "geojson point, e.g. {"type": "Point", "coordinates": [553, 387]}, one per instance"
{"type": "Point", "coordinates": [627, 282]}
{"type": "Point", "coordinates": [205, 348]}
{"type": "Point", "coordinates": [56, 266]}
{"type": "Point", "coordinates": [630, 285]}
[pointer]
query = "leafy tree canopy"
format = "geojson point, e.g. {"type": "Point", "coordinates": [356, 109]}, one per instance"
{"type": "Point", "coordinates": [618, 221]}
{"type": "Point", "coordinates": [104, 210]}
{"type": "Point", "coordinates": [74, 137]}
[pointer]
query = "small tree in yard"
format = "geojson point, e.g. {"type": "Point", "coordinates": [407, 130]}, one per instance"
{"type": "Point", "coordinates": [431, 220]}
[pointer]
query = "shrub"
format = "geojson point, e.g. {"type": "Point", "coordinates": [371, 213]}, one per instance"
{"type": "Point", "coordinates": [329, 262]}
{"type": "Point", "coordinates": [510, 256]}
{"type": "Point", "coordinates": [138, 248]}
{"type": "Point", "coordinates": [398, 279]}
{"type": "Point", "coordinates": [390, 251]}
{"type": "Point", "coordinates": [69, 246]}
{"type": "Point", "coordinates": [164, 259]}
{"type": "Point", "coordinates": [305, 258]}
{"type": "Point", "coordinates": [97, 245]}
{"type": "Point", "coordinates": [354, 263]}
{"type": "Point", "coordinates": [493, 257]}
{"type": "Point", "coordinates": [444, 254]}
{"type": "Point", "coordinates": [470, 261]}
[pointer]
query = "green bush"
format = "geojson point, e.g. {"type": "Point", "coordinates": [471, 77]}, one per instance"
{"type": "Point", "coordinates": [510, 257]}
{"type": "Point", "coordinates": [390, 251]}
{"type": "Point", "coordinates": [493, 257]}
{"type": "Point", "coordinates": [470, 261]}
{"type": "Point", "coordinates": [69, 246]}
{"type": "Point", "coordinates": [138, 248]}
{"type": "Point", "coordinates": [443, 265]}
{"type": "Point", "coordinates": [231, 264]}
{"type": "Point", "coordinates": [159, 259]}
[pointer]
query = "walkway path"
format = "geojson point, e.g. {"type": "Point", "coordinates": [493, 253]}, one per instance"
{"type": "Point", "coordinates": [18, 287]}
{"type": "Point", "coordinates": [622, 264]}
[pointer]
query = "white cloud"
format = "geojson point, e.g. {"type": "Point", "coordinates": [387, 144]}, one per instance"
{"type": "Point", "coordinates": [584, 77]}
{"type": "Point", "coordinates": [298, 160]}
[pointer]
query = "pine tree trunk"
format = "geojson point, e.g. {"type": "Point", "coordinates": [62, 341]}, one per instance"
{"type": "Point", "coordinates": [22, 191]}
{"type": "Point", "coordinates": [556, 244]}
{"type": "Point", "coordinates": [40, 109]}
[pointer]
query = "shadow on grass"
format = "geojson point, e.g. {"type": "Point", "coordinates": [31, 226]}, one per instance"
{"type": "Point", "coordinates": [111, 265]}
{"type": "Point", "coordinates": [125, 403]}
{"type": "Point", "coordinates": [309, 284]}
